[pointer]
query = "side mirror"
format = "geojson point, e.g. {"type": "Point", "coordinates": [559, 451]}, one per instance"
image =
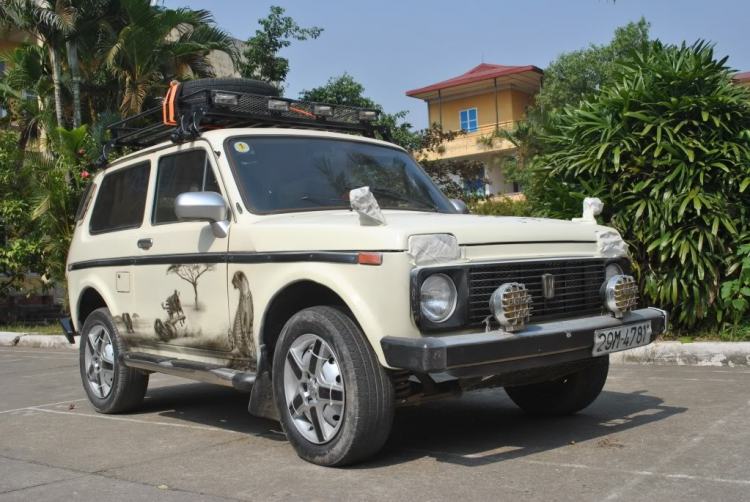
{"type": "Point", "coordinates": [204, 206]}
{"type": "Point", "coordinates": [460, 206]}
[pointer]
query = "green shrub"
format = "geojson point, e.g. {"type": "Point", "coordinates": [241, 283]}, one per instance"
{"type": "Point", "coordinates": [503, 206]}
{"type": "Point", "coordinates": [668, 151]}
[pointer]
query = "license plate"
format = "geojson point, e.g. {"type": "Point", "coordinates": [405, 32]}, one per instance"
{"type": "Point", "coordinates": [621, 338]}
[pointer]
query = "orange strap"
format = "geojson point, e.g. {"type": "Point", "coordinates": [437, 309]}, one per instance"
{"type": "Point", "coordinates": [303, 112]}
{"type": "Point", "coordinates": [168, 113]}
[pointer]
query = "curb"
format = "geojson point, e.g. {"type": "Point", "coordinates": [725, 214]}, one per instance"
{"type": "Point", "coordinates": [11, 339]}
{"type": "Point", "coordinates": [728, 354]}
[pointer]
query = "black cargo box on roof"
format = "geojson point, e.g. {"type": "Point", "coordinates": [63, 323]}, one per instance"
{"type": "Point", "coordinates": [195, 106]}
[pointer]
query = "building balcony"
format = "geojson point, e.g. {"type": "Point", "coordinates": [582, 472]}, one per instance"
{"type": "Point", "coordinates": [469, 144]}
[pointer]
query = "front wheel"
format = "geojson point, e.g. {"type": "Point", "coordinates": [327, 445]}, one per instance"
{"type": "Point", "coordinates": [565, 395]}
{"type": "Point", "coordinates": [335, 400]}
{"type": "Point", "coordinates": [111, 386]}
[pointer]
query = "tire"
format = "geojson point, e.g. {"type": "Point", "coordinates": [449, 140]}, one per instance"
{"type": "Point", "coordinates": [127, 386]}
{"type": "Point", "coordinates": [245, 85]}
{"type": "Point", "coordinates": [565, 395]}
{"type": "Point", "coordinates": [366, 393]}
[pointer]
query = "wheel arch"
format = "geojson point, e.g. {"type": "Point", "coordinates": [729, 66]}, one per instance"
{"type": "Point", "coordinates": [89, 300]}
{"type": "Point", "coordinates": [289, 300]}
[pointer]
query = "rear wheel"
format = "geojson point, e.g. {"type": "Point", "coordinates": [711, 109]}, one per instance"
{"type": "Point", "coordinates": [335, 400]}
{"type": "Point", "coordinates": [111, 386]}
{"type": "Point", "coordinates": [565, 395]}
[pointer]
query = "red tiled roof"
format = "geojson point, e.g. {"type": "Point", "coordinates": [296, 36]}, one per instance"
{"type": "Point", "coordinates": [742, 77]}
{"type": "Point", "coordinates": [484, 71]}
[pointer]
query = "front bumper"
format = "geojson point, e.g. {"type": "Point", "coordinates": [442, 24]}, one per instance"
{"type": "Point", "coordinates": [498, 352]}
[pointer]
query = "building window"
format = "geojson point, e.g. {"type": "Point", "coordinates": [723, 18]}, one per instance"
{"type": "Point", "coordinates": [469, 121]}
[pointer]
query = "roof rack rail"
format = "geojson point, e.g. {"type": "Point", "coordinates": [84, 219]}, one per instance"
{"type": "Point", "coordinates": [183, 118]}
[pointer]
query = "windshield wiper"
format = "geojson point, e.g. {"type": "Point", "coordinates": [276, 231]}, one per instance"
{"type": "Point", "coordinates": [398, 196]}
{"type": "Point", "coordinates": [325, 202]}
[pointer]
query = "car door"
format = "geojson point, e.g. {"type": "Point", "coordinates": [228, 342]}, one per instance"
{"type": "Point", "coordinates": [108, 245]}
{"type": "Point", "coordinates": [181, 272]}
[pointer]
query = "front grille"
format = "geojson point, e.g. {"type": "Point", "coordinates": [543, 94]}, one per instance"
{"type": "Point", "coordinates": [577, 284]}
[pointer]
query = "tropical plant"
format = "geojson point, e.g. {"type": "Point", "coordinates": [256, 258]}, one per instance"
{"type": "Point", "coordinates": [261, 60]}
{"type": "Point", "coordinates": [667, 148]}
{"type": "Point", "coordinates": [26, 92]}
{"type": "Point", "coordinates": [503, 206]}
{"type": "Point", "coordinates": [48, 22]}
{"type": "Point", "coordinates": [517, 165]}
{"type": "Point", "coordinates": [157, 45]}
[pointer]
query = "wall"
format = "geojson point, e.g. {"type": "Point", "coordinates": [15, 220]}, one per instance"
{"type": "Point", "coordinates": [511, 106]}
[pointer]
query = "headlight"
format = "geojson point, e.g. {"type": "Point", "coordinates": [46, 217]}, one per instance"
{"type": "Point", "coordinates": [438, 298]}
{"type": "Point", "coordinates": [620, 293]}
{"type": "Point", "coordinates": [612, 270]}
{"type": "Point", "coordinates": [511, 305]}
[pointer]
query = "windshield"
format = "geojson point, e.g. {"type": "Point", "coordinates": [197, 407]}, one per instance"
{"type": "Point", "coordinates": [302, 174]}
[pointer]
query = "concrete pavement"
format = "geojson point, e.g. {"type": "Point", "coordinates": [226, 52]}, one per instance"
{"type": "Point", "coordinates": [658, 432]}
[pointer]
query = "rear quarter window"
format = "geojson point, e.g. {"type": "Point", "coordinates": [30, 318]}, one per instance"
{"type": "Point", "coordinates": [121, 200]}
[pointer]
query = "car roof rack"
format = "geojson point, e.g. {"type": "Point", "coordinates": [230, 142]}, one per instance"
{"type": "Point", "coordinates": [183, 118]}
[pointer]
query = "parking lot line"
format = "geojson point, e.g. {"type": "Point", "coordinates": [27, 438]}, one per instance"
{"type": "Point", "coordinates": [40, 405]}
{"type": "Point", "coordinates": [135, 420]}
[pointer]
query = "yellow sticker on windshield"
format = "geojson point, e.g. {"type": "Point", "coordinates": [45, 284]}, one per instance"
{"type": "Point", "coordinates": [242, 147]}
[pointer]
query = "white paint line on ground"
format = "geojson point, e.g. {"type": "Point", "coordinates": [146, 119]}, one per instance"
{"type": "Point", "coordinates": [680, 450]}
{"type": "Point", "coordinates": [41, 405]}
{"type": "Point", "coordinates": [11, 360]}
{"type": "Point", "coordinates": [122, 419]}
{"type": "Point", "coordinates": [506, 450]}
{"type": "Point", "coordinates": [675, 378]}
{"type": "Point", "coordinates": [641, 473]}
{"type": "Point", "coordinates": [56, 353]}
{"type": "Point", "coordinates": [71, 369]}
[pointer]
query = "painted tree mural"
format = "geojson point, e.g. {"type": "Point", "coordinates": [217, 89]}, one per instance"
{"type": "Point", "coordinates": [191, 272]}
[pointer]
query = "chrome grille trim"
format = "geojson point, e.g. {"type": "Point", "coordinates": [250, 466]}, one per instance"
{"type": "Point", "coordinates": [577, 286]}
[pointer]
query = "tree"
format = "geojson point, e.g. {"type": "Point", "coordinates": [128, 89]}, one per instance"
{"type": "Point", "coordinates": [576, 74]}
{"type": "Point", "coordinates": [155, 46]}
{"type": "Point", "coordinates": [261, 56]}
{"type": "Point", "coordinates": [48, 22]}
{"type": "Point", "coordinates": [667, 148]}
{"type": "Point", "coordinates": [191, 273]}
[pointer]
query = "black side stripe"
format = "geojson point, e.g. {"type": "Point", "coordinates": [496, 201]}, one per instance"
{"type": "Point", "coordinates": [347, 257]}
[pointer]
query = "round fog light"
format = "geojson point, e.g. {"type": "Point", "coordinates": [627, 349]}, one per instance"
{"type": "Point", "coordinates": [612, 270]}
{"type": "Point", "coordinates": [438, 298]}
{"type": "Point", "coordinates": [511, 305]}
{"type": "Point", "coordinates": [620, 294]}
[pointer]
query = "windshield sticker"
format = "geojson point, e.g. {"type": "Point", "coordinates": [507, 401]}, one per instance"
{"type": "Point", "coordinates": [243, 147]}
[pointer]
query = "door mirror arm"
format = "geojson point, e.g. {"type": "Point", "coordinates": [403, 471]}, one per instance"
{"type": "Point", "coordinates": [204, 206]}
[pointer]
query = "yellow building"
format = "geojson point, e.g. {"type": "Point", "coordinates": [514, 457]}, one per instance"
{"type": "Point", "coordinates": [485, 98]}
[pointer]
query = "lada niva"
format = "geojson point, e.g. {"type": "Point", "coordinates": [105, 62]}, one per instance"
{"type": "Point", "coordinates": [278, 247]}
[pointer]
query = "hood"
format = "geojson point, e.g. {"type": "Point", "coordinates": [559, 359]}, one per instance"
{"type": "Point", "coordinates": [341, 231]}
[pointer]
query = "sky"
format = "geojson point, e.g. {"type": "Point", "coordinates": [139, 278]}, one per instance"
{"type": "Point", "coordinates": [393, 46]}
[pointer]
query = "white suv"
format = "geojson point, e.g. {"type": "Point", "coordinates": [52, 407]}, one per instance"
{"type": "Point", "coordinates": [325, 274]}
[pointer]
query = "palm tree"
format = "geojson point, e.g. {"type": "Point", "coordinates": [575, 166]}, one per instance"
{"type": "Point", "coordinates": [156, 45]}
{"type": "Point", "coordinates": [48, 22]}
{"type": "Point", "coordinates": [28, 72]}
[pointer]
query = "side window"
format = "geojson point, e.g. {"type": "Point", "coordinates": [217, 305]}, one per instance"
{"type": "Point", "coordinates": [179, 173]}
{"type": "Point", "coordinates": [121, 200]}
{"type": "Point", "coordinates": [468, 119]}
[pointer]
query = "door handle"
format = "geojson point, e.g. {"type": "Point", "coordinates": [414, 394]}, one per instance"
{"type": "Point", "coordinates": [145, 243]}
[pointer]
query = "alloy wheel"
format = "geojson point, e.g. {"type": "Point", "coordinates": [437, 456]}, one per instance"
{"type": "Point", "coordinates": [314, 388]}
{"type": "Point", "coordinates": [100, 361]}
